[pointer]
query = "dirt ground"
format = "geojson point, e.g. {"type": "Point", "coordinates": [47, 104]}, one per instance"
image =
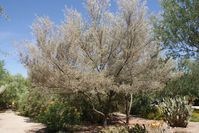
{"type": "Point", "coordinates": [12, 123]}
{"type": "Point", "coordinates": [193, 127]}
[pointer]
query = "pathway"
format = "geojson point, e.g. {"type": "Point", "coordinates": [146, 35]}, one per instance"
{"type": "Point", "coordinates": [12, 123]}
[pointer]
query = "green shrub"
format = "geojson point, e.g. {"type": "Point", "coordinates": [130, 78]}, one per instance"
{"type": "Point", "coordinates": [114, 129]}
{"type": "Point", "coordinates": [58, 115]}
{"type": "Point", "coordinates": [176, 111]}
{"type": "Point", "coordinates": [143, 107]}
{"type": "Point", "coordinates": [123, 129]}
{"type": "Point", "coordinates": [15, 86]}
{"type": "Point", "coordinates": [8, 97]}
{"type": "Point", "coordinates": [32, 103]}
{"type": "Point", "coordinates": [84, 106]}
{"type": "Point", "coordinates": [138, 129]}
{"type": "Point", "coordinates": [195, 116]}
{"type": "Point", "coordinates": [155, 114]}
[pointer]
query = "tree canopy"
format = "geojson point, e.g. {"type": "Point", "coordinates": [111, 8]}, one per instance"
{"type": "Point", "coordinates": [188, 84]}
{"type": "Point", "coordinates": [102, 55]}
{"type": "Point", "coordinates": [178, 27]}
{"type": "Point", "coordinates": [2, 12]}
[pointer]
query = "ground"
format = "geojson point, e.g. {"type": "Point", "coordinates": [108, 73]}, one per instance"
{"type": "Point", "coordinates": [193, 127]}
{"type": "Point", "coordinates": [10, 122]}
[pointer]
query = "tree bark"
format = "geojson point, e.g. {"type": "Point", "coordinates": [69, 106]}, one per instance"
{"type": "Point", "coordinates": [128, 107]}
{"type": "Point", "coordinates": [108, 107]}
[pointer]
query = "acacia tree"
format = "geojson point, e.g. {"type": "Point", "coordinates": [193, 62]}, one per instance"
{"type": "Point", "coordinates": [100, 56]}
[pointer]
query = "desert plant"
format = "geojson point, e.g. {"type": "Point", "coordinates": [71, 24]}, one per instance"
{"type": "Point", "coordinates": [124, 129]}
{"type": "Point", "coordinates": [115, 129]}
{"type": "Point", "coordinates": [141, 105]}
{"type": "Point", "coordinates": [33, 102]}
{"type": "Point", "coordinates": [159, 127]}
{"type": "Point", "coordinates": [176, 111]}
{"type": "Point", "coordinates": [138, 129]}
{"type": "Point", "coordinates": [58, 115]}
{"type": "Point", "coordinates": [155, 113]}
{"type": "Point", "coordinates": [145, 106]}
{"type": "Point", "coordinates": [113, 52]}
{"type": "Point", "coordinates": [195, 116]}
{"type": "Point", "coordinates": [14, 87]}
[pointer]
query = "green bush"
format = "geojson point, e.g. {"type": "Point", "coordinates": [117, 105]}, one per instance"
{"type": "Point", "coordinates": [155, 113]}
{"type": "Point", "coordinates": [86, 108]}
{"type": "Point", "coordinates": [114, 129]}
{"type": "Point", "coordinates": [15, 87]}
{"type": "Point", "coordinates": [138, 129]}
{"type": "Point", "coordinates": [58, 115]}
{"type": "Point", "coordinates": [176, 111]}
{"type": "Point", "coordinates": [123, 129]}
{"type": "Point", "coordinates": [185, 85]}
{"type": "Point", "coordinates": [8, 97]}
{"type": "Point", "coordinates": [195, 116]}
{"type": "Point", "coordinates": [49, 109]}
{"type": "Point", "coordinates": [143, 107]}
{"type": "Point", "coordinates": [32, 103]}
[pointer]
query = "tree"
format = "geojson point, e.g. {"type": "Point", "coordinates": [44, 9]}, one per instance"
{"type": "Point", "coordinates": [14, 88]}
{"type": "Point", "coordinates": [2, 12]}
{"type": "Point", "coordinates": [98, 57]}
{"type": "Point", "coordinates": [178, 27]}
{"type": "Point", "coordinates": [187, 85]}
{"type": "Point", "coordinates": [3, 76]}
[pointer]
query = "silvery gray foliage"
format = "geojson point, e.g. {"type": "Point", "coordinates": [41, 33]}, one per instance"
{"type": "Point", "coordinates": [108, 52]}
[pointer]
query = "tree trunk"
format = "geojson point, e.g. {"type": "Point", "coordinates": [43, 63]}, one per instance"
{"type": "Point", "coordinates": [128, 107]}
{"type": "Point", "coordinates": [108, 107]}
{"type": "Point", "coordinates": [105, 121]}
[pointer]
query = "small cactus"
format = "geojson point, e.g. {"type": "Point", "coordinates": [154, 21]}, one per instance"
{"type": "Point", "coordinates": [176, 111]}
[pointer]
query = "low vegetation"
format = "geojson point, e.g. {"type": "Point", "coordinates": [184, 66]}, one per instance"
{"type": "Point", "coordinates": [176, 111]}
{"type": "Point", "coordinates": [195, 116]}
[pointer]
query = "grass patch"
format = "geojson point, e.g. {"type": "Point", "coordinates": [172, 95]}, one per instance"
{"type": "Point", "coordinates": [195, 116]}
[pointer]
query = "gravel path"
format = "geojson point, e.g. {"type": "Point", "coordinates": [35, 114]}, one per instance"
{"type": "Point", "coordinates": [12, 123]}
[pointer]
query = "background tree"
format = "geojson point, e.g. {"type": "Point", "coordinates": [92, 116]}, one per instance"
{"type": "Point", "coordinates": [3, 76]}
{"type": "Point", "coordinates": [2, 12]}
{"type": "Point", "coordinates": [178, 27]}
{"type": "Point", "coordinates": [98, 57]}
{"type": "Point", "coordinates": [187, 85]}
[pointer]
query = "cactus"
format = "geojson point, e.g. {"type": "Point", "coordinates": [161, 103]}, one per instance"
{"type": "Point", "coordinates": [176, 111]}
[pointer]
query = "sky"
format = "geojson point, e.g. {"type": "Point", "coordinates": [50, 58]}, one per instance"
{"type": "Point", "coordinates": [22, 14]}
